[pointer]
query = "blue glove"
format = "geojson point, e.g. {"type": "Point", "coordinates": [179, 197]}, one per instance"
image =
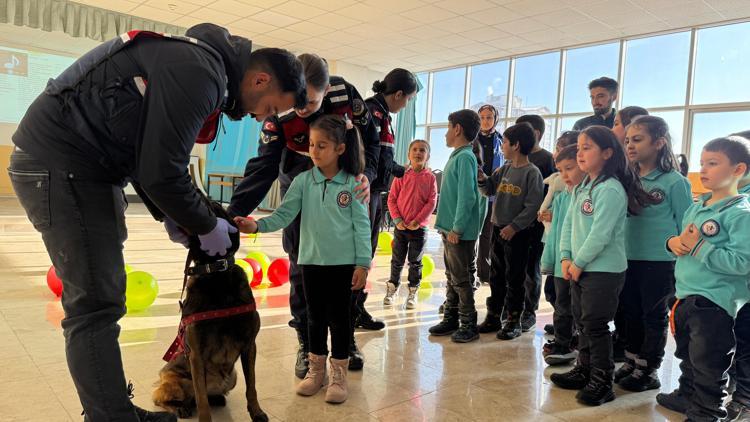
{"type": "Point", "coordinates": [217, 241]}
{"type": "Point", "coordinates": [175, 232]}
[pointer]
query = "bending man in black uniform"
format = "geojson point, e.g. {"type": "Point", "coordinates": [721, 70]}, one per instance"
{"type": "Point", "coordinates": [283, 154]}
{"type": "Point", "coordinates": [131, 110]}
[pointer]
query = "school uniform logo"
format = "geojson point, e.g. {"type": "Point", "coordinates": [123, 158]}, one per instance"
{"type": "Point", "coordinates": [710, 228]}
{"type": "Point", "coordinates": [344, 198]}
{"type": "Point", "coordinates": [587, 208]}
{"type": "Point", "coordinates": [658, 195]}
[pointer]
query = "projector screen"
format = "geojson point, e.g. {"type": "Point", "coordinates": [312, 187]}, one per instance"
{"type": "Point", "coordinates": [23, 76]}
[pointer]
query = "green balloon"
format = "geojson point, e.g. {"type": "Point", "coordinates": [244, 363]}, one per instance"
{"type": "Point", "coordinates": [262, 259]}
{"type": "Point", "coordinates": [141, 291]}
{"type": "Point", "coordinates": [428, 265]}
{"type": "Point", "coordinates": [128, 269]}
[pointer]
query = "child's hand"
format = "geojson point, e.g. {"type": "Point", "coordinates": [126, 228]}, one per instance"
{"type": "Point", "coordinates": [507, 232]}
{"type": "Point", "coordinates": [246, 225]}
{"type": "Point", "coordinates": [359, 279]}
{"type": "Point", "coordinates": [413, 225]}
{"type": "Point", "coordinates": [401, 225]}
{"type": "Point", "coordinates": [453, 237]}
{"type": "Point", "coordinates": [566, 269]}
{"type": "Point", "coordinates": [481, 176]}
{"type": "Point", "coordinates": [574, 272]}
{"type": "Point", "coordinates": [690, 236]}
{"type": "Point", "coordinates": [545, 216]}
{"type": "Point", "coordinates": [363, 189]}
{"type": "Point", "coordinates": [676, 246]}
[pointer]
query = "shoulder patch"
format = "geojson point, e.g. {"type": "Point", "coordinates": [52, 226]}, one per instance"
{"type": "Point", "coordinates": [710, 228]}
{"type": "Point", "coordinates": [269, 126]}
{"type": "Point", "coordinates": [358, 107]}
{"type": "Point", "coordinates": [377, 114]}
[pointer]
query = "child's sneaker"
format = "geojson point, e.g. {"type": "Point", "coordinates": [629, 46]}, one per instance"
{"type": "Point", "coordinates": [737, 411]}
{"type": "Point", "coordinates": [392, 289]}
{"type": "Point", "coordinates": [411, 300]}
{"type": "Point", "coordinates": [627, 368]}
{"type": "Point", "coordinates": [549, 329]}
{"type": "Point", "coordinates": [575, 379]}
{"type": "Point", "coordinates": [641, 379]}
{"type": "Point", "coordinates": [599, 389]}
{"type": "Point", "coordinates": [558, 354]}
{"type": "Point", "coordinates": [674, 401]}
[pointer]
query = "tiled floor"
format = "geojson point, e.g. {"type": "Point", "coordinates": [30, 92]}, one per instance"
{"type": "Point", "coordinates": [408, 376]}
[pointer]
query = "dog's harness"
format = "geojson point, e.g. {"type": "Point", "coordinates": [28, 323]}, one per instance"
{"type": "Point", "coordinates": [179, 346]}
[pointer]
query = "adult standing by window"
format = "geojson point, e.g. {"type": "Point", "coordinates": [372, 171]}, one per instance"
{"type": "Point", "coordinates": [603, 93]}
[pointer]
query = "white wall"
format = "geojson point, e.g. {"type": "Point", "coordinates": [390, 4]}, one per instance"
{"type": "Point", "coordinates": [359, 76]}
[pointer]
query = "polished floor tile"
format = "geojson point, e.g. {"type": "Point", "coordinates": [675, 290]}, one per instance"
{"type": "Point", "coordinates": [408, 376]}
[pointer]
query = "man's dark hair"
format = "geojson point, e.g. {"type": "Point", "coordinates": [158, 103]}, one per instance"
{"type": "Point", "coordinates": [604, 82]}
{"type": "Point", "coordinates": [286, 70]}
{"type": "Point", "coordinates": [536, 121]}
{"type": "Point", "coordinates": [522, 134]}
{"type": "Point", "coordinates": [468, 120]}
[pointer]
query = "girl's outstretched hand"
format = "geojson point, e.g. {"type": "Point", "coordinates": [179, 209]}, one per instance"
{"type": "Point", "coordinates": [359, 279]}
{"type": "Point", "coordinates": [246, 225]}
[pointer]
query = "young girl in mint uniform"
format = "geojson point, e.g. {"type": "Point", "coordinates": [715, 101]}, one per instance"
{"type": "Point", "coordinates": [592, 250]}
{"type": "Point", "coordinates": [649, 281]}
{"type": "Point", "coordinates": [335, 251]}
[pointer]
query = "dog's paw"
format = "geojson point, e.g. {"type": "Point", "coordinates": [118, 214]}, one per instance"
{"type": "Point", "coordinates": [260, 417]}
{"type": "Point", "coordinates": [217, 401]}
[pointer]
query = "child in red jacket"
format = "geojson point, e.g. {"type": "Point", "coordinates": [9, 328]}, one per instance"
{"type": "Point", "coordinates": [411, 201]}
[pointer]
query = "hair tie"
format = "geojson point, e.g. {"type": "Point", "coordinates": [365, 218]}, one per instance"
{"type": "Point", "coordinates": [349, 124]}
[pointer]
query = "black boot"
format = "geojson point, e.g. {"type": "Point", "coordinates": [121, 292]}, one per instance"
{"type": "Point", "coordinates": [675, 401]}
{"type": "Point", "coordinates": [146, 416]}
{"type": "Point", "coordinates": [364, 320]}
{"type": "Point", "coordinates": [511, 328]}
{"type": "Point", "coordinates": [599, 389]}
{"type": "Point", "coordinates": [301, 366]}
{"type": "Point", "coordinates": [492, 322]}
{"type": "Point", "coordinates": [468, 329]}
{"type": "Point", "coordinates": [641, 379]}
{"type": "Point", "coordinates": [356, 359]}
{"type": "Point", "coordinates": [627, 368]}
{"type": "Point", "coordinates": [575, 379]}
{"type": "Point", "coordinates": [448, 325]}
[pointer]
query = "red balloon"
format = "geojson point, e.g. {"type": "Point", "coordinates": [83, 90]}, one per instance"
{"type": "Point", "coordinates": [257, 272]}
{"type": "Point", "coordinates": [54, 282]}
{"type": "Point", "coordinates": [278, 272]}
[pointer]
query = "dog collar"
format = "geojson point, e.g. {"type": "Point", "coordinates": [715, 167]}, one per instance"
{"type": "Point", "coordinates": [214, 267]}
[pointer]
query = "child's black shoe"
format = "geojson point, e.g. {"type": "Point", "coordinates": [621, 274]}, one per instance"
{"type": "Point", "coordinates": [468, 329]}
{"type": "Point", "coordinates": [641, 379]}
{"type": "Point", "coordinates": [575, 379]}
{"type": "Point", "coordinates": [674, 401]}
{"type": "Point", "coordinates": [448, 325]}
{"type": "Point", "coordinates": [599, 389]}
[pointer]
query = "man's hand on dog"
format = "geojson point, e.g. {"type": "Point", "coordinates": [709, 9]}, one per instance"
{"type": "Point", "coordinates": [217, 241]}
{"type": "Point", "coordinates": [246, 225]}
{"type": "Point", "coordinates": [359, 279]}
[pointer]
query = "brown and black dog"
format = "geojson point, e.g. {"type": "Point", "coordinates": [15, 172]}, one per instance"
{"type": "Point", "coordinates": [203, 375]}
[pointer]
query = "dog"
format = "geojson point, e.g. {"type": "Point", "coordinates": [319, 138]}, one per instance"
{"type": "Point", "coordinates": [200, 365]}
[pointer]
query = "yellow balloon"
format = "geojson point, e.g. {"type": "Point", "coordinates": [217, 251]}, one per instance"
{"type": "Point", "coordinates": [128, 269]}
{"type": "Point", "coordinates": [384, 241]}
{"type": "Point", "coordinates": [245, 266]}
{"type": "Point", "coordinates": [428, 266]}
{"type": "Point", "coordinates": [140, 291]}
{"type": "Point", "coordinates": [262, 259]}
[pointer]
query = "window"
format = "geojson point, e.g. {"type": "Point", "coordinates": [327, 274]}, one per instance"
{"type": "Point", "coordinates": [548, 139]}
{"type": "Point", "coordinates": [582, 65]}
{"type": "Point", "coordinates": [447, 94]}
{"type": "Point", "coordinates": [675, 121]}
{"type": "Point", "coordinates": [721, 65]}
{"type": "Point", "coordinates": [439, 152]}
{"type": "Point", "coordinates": [656, 71]}
{"type": "Point", "coordinates": [566, 123]}
{"type": "Point", "coordinates": [708, 126]}
{"type": "Point", "coordinates": [421, 99]}
{"type": "Point", "coordinates": [489, 85]}
{"type": "Point", "coordinates": [419, 132]}
{"type": "Point", "coordinates": [535, 85]}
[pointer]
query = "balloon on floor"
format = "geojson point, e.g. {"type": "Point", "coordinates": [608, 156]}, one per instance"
{"type": "Point", "coordinates": [428, 265]}
{"type": "Point", "coordinates": [278, 271]}
{"type": "Point", "coordinates": [262, 259]}
{"type": "Point", "coordinates": [384, 242]}
{"type": "Point", "coordinates": [54, 282]}
{"type": "Point", "coordinates": [128, 269]}
{"type": "Point", "coordinates": [140, 291]}
{"type": "Point", "coordinates": [253, 270]}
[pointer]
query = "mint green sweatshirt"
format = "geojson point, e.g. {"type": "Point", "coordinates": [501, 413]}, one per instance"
{"type": "Point", "coordinates": [646, 232]}
{"type": "Point", "coordinates": [461, 208]}
{"type": "Point", "coordinates": [551, 262]}
{"type": "Point", "coordinates": [335, 227]}
{"type": "Point", "coordinates": [718, 267]}
{"type": "Point", "coordinates": [593, 233]}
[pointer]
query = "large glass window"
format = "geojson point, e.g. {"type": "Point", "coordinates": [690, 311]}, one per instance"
{"type": "Point", "coordinates": [583, 65]}
{"type": "Point", "coordinates": [566, 123]}
{"type": "Point", "coordinates": [708, 126]}
{"type": "Point", "coordinates": [439, 152]}
{"type": "Point", "coordinates": [489, 85]}
{"type": "Point", "coordinates": [421, 100]}
{"type": "Point", "coordinates": [419, 132]}
{"type": "Point", "coordinates": [656, 70]}
{"type": "Point", "coordinates": [447, 94]}
{"type": "Point", "coordinates": [721, 64]}
{"type": "Point", "coordinates": [535, 84]}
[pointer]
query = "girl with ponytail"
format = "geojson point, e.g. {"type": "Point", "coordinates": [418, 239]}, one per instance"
{"type": "Point", "coordinates": [334, 252]}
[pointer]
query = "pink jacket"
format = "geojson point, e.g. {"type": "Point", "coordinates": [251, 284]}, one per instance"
{"type": "Point", "coordinates": [413, 197]}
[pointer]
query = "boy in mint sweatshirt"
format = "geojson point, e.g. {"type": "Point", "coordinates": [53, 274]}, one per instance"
{"type": "Point", "coordinates": [461, 212]}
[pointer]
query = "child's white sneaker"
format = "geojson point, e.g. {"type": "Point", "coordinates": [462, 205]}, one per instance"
{"type": "Point", "coordinates": [411, 300]}
{"type": "Point", "coordinates": [392, 289]}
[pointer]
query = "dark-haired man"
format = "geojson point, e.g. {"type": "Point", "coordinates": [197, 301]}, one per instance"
{"type": "Point", "coordinates": [131, 110]}
{"type": "Point", "coordinates": [603, 92]}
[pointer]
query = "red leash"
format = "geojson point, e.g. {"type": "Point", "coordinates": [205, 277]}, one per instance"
{"type": "Point", "coordinates": [178, 345]}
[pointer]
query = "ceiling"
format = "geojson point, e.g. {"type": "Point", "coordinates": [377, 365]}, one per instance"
{"type": "Point", "coordinates": [430, 34]}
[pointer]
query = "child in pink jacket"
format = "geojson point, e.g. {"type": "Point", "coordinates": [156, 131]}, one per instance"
{"type": "Point", "coordinates": [411, 201]}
